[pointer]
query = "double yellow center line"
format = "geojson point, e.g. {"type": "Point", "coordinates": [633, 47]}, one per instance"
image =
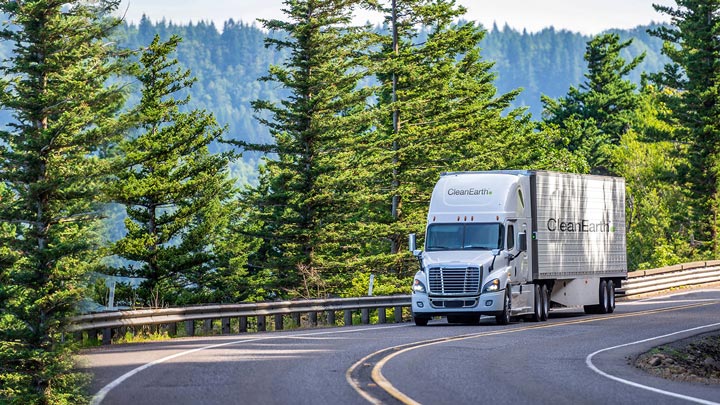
{"type": "Point", "coordinates": [379, 358]}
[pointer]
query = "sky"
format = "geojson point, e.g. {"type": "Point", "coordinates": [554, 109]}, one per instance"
{"type": "Point", "coordinates": [584, 16]}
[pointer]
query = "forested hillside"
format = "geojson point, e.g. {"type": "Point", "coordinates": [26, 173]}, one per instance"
{"type": "Point", "coordinates": [229, 60]}
{"type": "Point", "coordinates": [549, 62]}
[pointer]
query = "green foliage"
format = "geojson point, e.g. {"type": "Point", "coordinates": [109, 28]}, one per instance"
{"type": "Point", "coordinates": [655, 236]}
{"type": "Point", "coordinates": [692, 42]}
{"type": "Point", "coordinates": [293, 210]}
{"type": "Point", "coordinates": [55, 87]}
{"type": "Point", "coordinates": [593, 117]}
{"type": "Point", "coordinates": [450, 117]}
{"type": "Point", "coordinates": [177, 195]}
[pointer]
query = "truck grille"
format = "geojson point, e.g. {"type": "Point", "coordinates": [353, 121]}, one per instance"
{"type": "Point", "coordinates": [454, 280]}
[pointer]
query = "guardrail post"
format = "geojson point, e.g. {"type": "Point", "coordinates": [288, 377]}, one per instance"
{"type": "Point", "coordinates": [172, 329]}
{"type": "Point", "coordinates": [242, 324]}
{"type": "Point", "coordinates": [261, 323]}
{"type": "Point", "coordinates": [382, 315]}
{"type": "Point", "coordinates": [398, 314]}
{"type": "Point", "coordinates": [78, 336]}
{"type": "Point", "coordinates": [225, 325]}
{"type": "Point", "coordinates": [296, 319]}
{"type": "Point", "coordinates": [331, 318]}
{"type": "Point", "coordinates": [106, 336]}
{"type": "Point", "coordinates": [93, 335]}
{"type": "Point", "coordinates": [207, 326]}
{"type": "Point", "coordinates": [365, 316]}
{"type": "Point", "coordinates": [279, 322]}
{"type": "Point", "coordinates": [190, 328]}
{"type": "Point", "coordinates": [348, 317]}
{"type": "Point", "coordinates": [313, 318]}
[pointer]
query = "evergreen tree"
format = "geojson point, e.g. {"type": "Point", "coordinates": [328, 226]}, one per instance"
{"type": "Point", "coordinates": [55, 86]}
{"type": "Point", "coordinates": [596, 115]}
{"type": "Point", "coordinates": [447, 116]}
{"type": "Point", "coordinates": [692, 42]}
{"type": "Point", "coordinates": [293, 202]}
{"type": "Point", "coordinates": [656, 206]}
{"type": "Point", "coordinates": [175, 191]}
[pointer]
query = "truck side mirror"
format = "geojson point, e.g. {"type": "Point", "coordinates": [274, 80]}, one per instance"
{"type": "Point", "coordinates": [411, 242]}
{"type": "Point", "coordinates": [523, 241]}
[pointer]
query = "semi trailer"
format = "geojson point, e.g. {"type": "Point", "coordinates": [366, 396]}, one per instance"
{"type": "Point", "coordinates": [517, 243]}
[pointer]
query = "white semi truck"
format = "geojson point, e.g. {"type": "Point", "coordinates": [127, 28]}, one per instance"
{"type": "Point", "coordinates": [517, 243]}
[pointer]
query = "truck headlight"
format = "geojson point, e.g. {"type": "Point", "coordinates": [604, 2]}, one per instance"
{"type": "Point", "coordinates": [418, 287]}
{"type": "Point", "coordinates": [491, 286]}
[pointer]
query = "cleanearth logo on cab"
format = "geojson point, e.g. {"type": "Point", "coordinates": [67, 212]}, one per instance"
{"type": "Point", "coordinates": [469, 191]}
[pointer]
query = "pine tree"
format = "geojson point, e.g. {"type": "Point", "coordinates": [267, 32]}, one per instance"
{"type": "Point", "coordinates": [176, 193]}
{"type": "Point", "coordinates": [692, 42]}
{"type": "Point", "coordinates": [55, 86]}
{"type": "Point", "coordinates": [596, 115]}
{"type": "Point", "coordinates": [656, 206]}
{"type": "Point", "coordinates": [296, 205]}
{"type": "Point", "coordinates": [449, 117]}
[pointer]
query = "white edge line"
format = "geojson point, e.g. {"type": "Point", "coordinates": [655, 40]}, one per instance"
{"type": "Point", "coordinates": [664, 296]}
{"type": "Point", "coordinates": [100, 395]}
{"type": "Point", "coordinates": [589, 363]}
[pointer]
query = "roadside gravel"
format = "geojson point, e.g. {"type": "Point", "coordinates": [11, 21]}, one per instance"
{"type": "Point", "coordinates": [695, 359]}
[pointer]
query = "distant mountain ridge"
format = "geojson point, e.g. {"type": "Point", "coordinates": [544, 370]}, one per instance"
{"type": "Point", "coordinates": [228, 65]}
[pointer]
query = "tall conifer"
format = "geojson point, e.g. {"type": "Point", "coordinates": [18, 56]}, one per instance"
{"type": "Point", "coordinates": [449, 115]}
{"type": "Point", "coordinates": [594, 116]}
{"type": "Point", "coordinates": [297, 204]}
{"type": "Point", "coordinates": [692, 42]}
{"type": "Point", "coordinates": [175, 191]}
{"type": "Point", "coordinates": [56, 89]}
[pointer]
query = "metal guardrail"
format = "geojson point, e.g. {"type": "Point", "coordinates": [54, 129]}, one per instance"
{"type": "Point", "coordinates": [638, 282]}
{"type": "Point", "coordinates": [646, 281]}
{"type": "Point", "coordinates": [108, 322]}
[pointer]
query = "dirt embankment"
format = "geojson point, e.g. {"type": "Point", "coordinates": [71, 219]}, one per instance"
{"type": "Point", "coordinates": [695, 359]}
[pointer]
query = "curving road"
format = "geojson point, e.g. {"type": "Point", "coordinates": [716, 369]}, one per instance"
{"type": "Point", "coordinates": [571, 359]}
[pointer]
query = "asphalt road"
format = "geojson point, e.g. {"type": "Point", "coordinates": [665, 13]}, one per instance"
{"type": "Point", "coordinates": [571, 359]}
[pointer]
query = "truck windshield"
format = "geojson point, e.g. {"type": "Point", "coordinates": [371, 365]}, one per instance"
{"type": "Point", "coordinates": [464, 237]}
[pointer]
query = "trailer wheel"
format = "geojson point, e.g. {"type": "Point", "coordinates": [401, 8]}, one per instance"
{"type": "Point", "coordinates": [504, 317]}
{"type": "Point", "coordinates": [602, 307]}
{"type": "Point", "coordinates": [545, 295]}
{"type": "Point", "coordinates": [420, 321]}
{"type": "Point", "coordinates": [611, 296]}
{"type": "Point", "coordinates": [604, 300]}
{"type": "Point", "coordinates": [538, 305]}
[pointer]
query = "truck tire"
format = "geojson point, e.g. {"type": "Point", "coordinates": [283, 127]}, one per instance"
{"type": "Point", "coordinates": [602, 307]}
{"type": "Point", "coordinates": [504, 317]}
{"type": "Point", "coordinates": [545, 295]}
{"type": "Point", "coordinates": [604, 300]}
{"type": "Point", "coordinates": [420, 321]}
{"type": "Point", "coordinates": [611, 296]}
{"type": "Point", "coordinates": [538, 304]}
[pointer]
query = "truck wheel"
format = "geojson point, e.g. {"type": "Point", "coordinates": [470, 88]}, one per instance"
{"type": "Point", "coordinates": [538, 306]}
{"type": "Point", "coordinates": [602, 307]}
{"type": "Point", "coordinates": [545, 295]}
{"type": "Point", "coordinates": [611, 296]}
{"type": "Point", "coordinates": [604, 300]}
{"type": "Point", "coordinates": [504, 318]}
{"type": "Point", "coordinates": [421, 321]}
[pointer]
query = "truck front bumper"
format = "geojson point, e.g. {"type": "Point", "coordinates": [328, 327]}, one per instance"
{"type": "Point", "coordinates": [427, 306]}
